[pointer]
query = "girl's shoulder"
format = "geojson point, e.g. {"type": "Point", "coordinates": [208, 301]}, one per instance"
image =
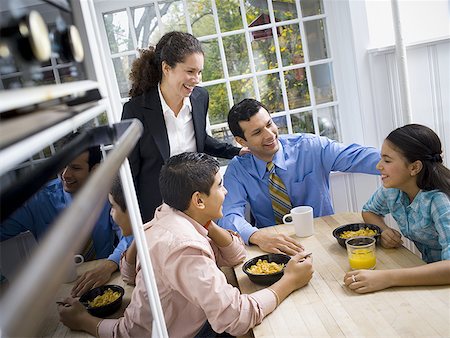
{"type": "Point", "coordinates": [436, 197]}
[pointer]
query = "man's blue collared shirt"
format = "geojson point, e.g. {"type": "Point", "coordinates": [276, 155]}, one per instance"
{"type": "Point", "coordinates": [41, 210]}
{"type": "Point", "coordinates": [425, 221]}
{"type": "Point", "coordinates": [304, 163]}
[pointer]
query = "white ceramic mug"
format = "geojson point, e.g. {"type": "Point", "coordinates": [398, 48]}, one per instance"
{"type": "Point", "coordinates": [72, 272]}
{"type": "Point", "coordinates": [302, 218]}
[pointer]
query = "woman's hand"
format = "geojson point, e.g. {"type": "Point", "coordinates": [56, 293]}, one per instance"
{"type": "Point", "coordinates": [244, 150]}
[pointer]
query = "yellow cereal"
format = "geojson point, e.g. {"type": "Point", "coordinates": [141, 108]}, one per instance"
{"type": "Point", "coordinates": [108, 297]}
{"type": "Point", "coordinates": [263, 267]}
{"type": "Point", "coordinates": [361, 232]}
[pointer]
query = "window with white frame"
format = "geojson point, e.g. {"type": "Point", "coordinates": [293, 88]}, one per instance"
{"type": "Point", "coordinates": [275, 51]}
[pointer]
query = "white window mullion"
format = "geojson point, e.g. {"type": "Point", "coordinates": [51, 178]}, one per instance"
{"type": "Point", "coordinates": [222, 53]}
{"type": "Point", "coordinates": [132, 30]}
{"type": "Point", "coordinates": [249, 49]}
{"type": "Point", "coordinates": [308, 69]}
{"type": "Point", "coordinates": [161, 25]}
{"type": "Point", "coordinates": [187, 17]}
{"type": "Point", "coordinates": [280, 66]}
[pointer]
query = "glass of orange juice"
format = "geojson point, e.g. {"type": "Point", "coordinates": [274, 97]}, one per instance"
{"type": "Point", "coordinates": [361, 252]}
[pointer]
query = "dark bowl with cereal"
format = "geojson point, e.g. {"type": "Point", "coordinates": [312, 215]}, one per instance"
{"type": "Point", "coordinates": [266, 269]}
{"type": "Point", "coordinates": [347, 231]}
{"type": "Point", "coordinates": [103, 301]}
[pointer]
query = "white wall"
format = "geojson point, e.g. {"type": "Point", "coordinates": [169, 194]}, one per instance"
{"type": "Point", "coordinates": [421, 20]}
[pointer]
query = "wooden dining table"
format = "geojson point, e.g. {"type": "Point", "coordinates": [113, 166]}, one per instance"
{"type": "Point", "coordinates": [52, 327]}
{"type": "Point", "coordinates": [325, 307]}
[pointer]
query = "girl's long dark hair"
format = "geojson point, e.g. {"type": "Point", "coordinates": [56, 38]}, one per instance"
{"type": "Point", "coordinates": [173, 48]}
{"type": "Point", "coordinates": [417, 142]}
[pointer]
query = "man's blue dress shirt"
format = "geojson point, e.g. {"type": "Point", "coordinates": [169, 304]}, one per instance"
{"type": "Point", "coordinates": [425, 221]}
{"type": "Point", "coordinates": [304, 163]}
{"type": "Point", "coordinates": [41, 210]}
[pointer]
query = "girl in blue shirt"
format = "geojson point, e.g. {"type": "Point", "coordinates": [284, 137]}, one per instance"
{"type": "Point", "coordinates": [415, 191]}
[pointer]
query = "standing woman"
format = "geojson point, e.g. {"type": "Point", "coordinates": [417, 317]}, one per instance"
{"type": "Point", "coordinates": [166, 99]}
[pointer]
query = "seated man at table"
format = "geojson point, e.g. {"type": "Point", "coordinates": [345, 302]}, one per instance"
{"type": "Point", "coordinates": [280, 173]}
{"type": "Point", "coordinates": [39, 212]}
{"type": "Point", "coordinates": [186, 248]}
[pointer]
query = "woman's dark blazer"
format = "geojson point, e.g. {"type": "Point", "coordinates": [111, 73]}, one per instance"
{"type": "Point", "coordinates": [153, 149]}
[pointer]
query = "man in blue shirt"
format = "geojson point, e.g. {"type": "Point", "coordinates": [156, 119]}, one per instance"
{"type": "Point", "coordinates": [303, 162]}
{"type": "Point", "coordinates": [41, 210]}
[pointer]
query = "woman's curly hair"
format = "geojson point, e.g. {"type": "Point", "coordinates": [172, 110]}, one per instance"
{"type": "Point", "coordinates": [173, 48]}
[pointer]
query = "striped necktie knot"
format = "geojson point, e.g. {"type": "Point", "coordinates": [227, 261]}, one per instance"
{"type": "Point", "coordinates": [281, 204]}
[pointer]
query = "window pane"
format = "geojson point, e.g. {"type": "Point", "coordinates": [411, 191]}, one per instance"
{"type": "Point", "coordinates": [117, 29]}
{"type": "Point", "coordinates": [291, 45]}
{"type": "Point", "coordinates": [68, 74]}
{"type": "Point", "coordinates": [44, 77]}
{"type": "Point", "coordinates": [236, 53]}
{"type": "Point", "coordinates": [229, 15]}
{"type": "Point", "coordinates": [223, 134]}
{"type": "Point", "coordinates": [284, 10]}
{"type": "Point", "coordinates": [302, 122]}
{"type": "Point", "coordinates": [281, 123]}
{"type": "Point", "coordinates": [322, 79]}
{"type": "Point", "coordinates": [242, 89]}
{"type": "Point", "coordinates": [328, 123]}
{"type": "Point", "coordinates": [201, 16]}
{"type": "Point", "coordinates": [12, 83]}
{"type": "Point", "coordinates": [317, 42]}
{"type": "Point", "coordinates": [270, 91]}
{"type": "Point", "coordinates": [264, 54]}
{"type": "Point", "coordinates": [311, 7]}
{"type": "Point", "coordinates": [218, 103]}
{"type": "Point", "coordinates": [146, 26]}
{"type": "Point", "coordinates": [297, 88]}
{"type": "Point", "coordinates": [172, 16]}
{"type": "Point", "coordinates": [257, 13]}
{"type": "Point", "coordinates": [212, 69]}
{"type": "Point", "coordinates": [122, 66]}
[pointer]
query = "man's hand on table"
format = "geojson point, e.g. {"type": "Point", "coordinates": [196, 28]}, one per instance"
{"type": "Point", "coordinates": [276, 243]}
{"type": "Point", "coordinates": [93, 278]}
{"type": "Point", "coordinates": [75, 316]}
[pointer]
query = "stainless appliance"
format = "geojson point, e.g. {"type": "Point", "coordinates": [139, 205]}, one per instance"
{"type": "Point", "coordinates": [39, 44]}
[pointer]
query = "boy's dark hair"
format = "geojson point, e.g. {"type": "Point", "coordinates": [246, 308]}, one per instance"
{"type": "Point", "coordinates": [117, 194]}
{"type": "Point", "coordinates": [242, 111]}
{"type": "Point", "coordinates": [173, 48]}
{"type": "Point", "coordinates": [95, 154]}
{"type": "Point", "coordinates": [183, 175]}
{"type": "Point", "coordinates": [418, 142]}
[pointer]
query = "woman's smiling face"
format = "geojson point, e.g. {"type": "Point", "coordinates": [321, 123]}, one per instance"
{"type": "Point", "coordinates": [182, 78]}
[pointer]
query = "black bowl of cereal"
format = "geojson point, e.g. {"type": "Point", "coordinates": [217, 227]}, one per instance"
{"type": "Point", "coordinates": [266, 269]}
{"type": "Point", "coordinates": [347, 231]}
{"type": "Point", "coordinates": [104, 300]}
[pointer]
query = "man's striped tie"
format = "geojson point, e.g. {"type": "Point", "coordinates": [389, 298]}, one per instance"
{"type": "Point", "coordinates": [281, 204]}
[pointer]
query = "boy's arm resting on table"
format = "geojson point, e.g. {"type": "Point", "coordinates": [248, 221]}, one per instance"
{"type": "Point", "coordinates": [128, 264]}
{"type": "Point", "coordinates": [101, 274]}
{"type": "Point", "coordinates": [228, 247]}
{"type": "Point", "coordinates": [437, 273]}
